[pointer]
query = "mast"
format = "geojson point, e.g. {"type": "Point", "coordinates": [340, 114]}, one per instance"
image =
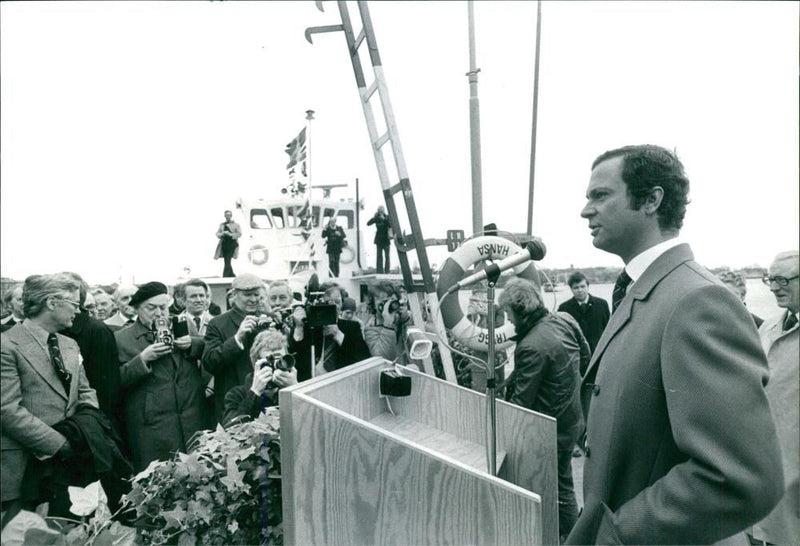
{"type": "Point", "coordinates": [535, 114]}
{"type": "Point", "coordinates": [474, 127]}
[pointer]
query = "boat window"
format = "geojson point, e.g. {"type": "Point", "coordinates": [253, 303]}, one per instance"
{"type": "Point", "coordinates": [315, 216]}
{"type": "Point", "coordinates": [259, 219]}
{"type": "Point", "coordinates": [345, 219]}
{"type": "Point", "coordinates": [278, 217]}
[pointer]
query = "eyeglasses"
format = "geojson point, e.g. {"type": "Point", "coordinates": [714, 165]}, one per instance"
{"type": "Point", "coordinates": [782, 281]}
{"type": "Point", "coordinates": [75, 304]}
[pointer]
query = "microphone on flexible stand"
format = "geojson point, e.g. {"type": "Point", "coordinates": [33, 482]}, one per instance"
{"type": "Point", "coordinates": [535, 250]}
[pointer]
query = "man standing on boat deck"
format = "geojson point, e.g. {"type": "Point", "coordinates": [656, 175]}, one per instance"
{"type": "Point", "coordinates": [681, 447]}
{"type": "Point", "coordinates": [228, 245]}
{"type": "Point", "coordinates": [334, 243]}
{"type": "Point", "coordinates": [382, 225]}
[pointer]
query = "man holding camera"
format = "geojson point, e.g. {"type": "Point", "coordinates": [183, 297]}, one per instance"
{"type": "Point", "coordinates": [229, 337]}
{"type": "Point", "coordinates": [337, 344]}
{"type": "Point", "coordinates": [162, 381]}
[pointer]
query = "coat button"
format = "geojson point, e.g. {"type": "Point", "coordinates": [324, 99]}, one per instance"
{"type": "Point", "coordinates": [587, 452]}
{"type": "Point", "coordinates": [596, 389]}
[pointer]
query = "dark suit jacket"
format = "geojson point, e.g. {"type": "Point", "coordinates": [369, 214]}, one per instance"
{"type": "Point", "coordinates": [681, 446]}
{"type": "Point", "coordinates": [99, 351]}
{"type": "Point", "coordinates": [32, 400]}
{"type": "Point", "coordinates": [223, 358]}
{"type": "Point", "coordinates": [592, 318]}
{"type": "Point", "coordinates": [353, 349]}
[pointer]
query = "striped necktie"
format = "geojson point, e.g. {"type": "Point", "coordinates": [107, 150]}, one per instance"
{"type": "Point", "coordinates": [789, 322]}
{"type": "Point", "coordinates": [619, 290]}
{"type": "Point", "coordinates": [58, 362]}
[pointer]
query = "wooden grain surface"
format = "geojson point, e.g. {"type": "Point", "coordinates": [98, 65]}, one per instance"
{"type": "Point", "coordinates": [354, 484]}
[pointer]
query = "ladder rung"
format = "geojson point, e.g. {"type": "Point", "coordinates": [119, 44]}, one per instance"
{"type": "Point", "coordinates": [359, 39]}
{"type": "Point", "coordinates": [382, 140]}
{"type": "Point", "coordinates": [371, 90]}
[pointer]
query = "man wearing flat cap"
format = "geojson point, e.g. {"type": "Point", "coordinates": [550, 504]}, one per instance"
{"type": "Point", "coordinates": [229, 336]}
{"type": "Point", "coordinates": [163, 387]}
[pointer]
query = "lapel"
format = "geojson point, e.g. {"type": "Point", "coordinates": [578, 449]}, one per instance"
{"type": "Point", "coordinates": [39, 359]}
{"type": "Point", "coordinates": [640, 290]}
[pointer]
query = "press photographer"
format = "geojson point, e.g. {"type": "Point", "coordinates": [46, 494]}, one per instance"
{"type": "Point", "coordinates": [273, 369]}
{"type": "Point", "coordinates": [390, 319]}
{"type": "Point", "coordinates": [229, 338]}
{"type": "Point", "coordinates": [336, 342]}
{"type": "Point", "coordinates": [164, 390]}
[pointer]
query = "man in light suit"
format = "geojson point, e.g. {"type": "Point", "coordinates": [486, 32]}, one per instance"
{"type": "Point", "coordinates": [681, 447]}
{"type": "Point", "coordinates": [228, 245]}
{"type": "Point", "coordinates": [43, 382]}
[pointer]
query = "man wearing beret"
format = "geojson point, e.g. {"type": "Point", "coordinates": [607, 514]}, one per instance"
{"type": "Point", "coordinates": [164, 390]}
{"type": "Point", "coordinates": [229, 336]}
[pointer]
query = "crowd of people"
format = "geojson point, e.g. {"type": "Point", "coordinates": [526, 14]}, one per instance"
{"type": "Point", "coordinates": [683, 403]}
{"type": "Point", "coordinates": [159, 365]}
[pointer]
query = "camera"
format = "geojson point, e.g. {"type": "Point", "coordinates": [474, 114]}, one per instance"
{"type": "Point", "coordinates": [319, 311]}
{"type": "Point", "coordinates": [394, 305]}
{"type": "Point", "coordinates": [264, 322]}
{"type": "Point", "coordinates": [163, 331]}
{"type": "Point", "coordinates": [279, 362]}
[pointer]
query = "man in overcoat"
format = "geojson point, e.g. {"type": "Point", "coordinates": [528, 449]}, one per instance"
{"type": "Point", "coordinates": [681, 447]}
{"type": "Point", "coordinates": [162, 384]}
{"type": "Point", "coordinates": [228, 234]}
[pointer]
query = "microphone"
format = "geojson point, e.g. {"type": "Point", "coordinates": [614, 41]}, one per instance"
{"type": "Point", "coordinates": [535, 250]}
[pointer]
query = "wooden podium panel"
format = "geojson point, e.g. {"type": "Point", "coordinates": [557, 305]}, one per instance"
{"type": "Point", "coordinates": [354, 474]}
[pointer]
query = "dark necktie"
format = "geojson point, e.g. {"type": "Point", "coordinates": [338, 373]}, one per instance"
{"type": "Point", "coordinates": [197, 323]}
{"type": "Point", "coordinates": [789, 322]}
{"type": "Point", "coordinates": [58, 363]}
{"type": "Point", "coordinates": [129, 321]}
{"type": "Point", "coordinates": [619, 290]}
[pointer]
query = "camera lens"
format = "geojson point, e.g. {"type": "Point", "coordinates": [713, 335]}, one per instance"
{"type": "Point", "coordinates": [394, 305]}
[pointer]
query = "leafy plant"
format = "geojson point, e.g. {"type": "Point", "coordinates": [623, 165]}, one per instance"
{"type": "Point", "coordinates": [226, 490]}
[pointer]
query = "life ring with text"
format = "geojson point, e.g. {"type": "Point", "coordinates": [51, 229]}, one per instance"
{"type": "Point", "coordinates": [347, 256]}
{"type": "Point", "coordinates": [469, 253]}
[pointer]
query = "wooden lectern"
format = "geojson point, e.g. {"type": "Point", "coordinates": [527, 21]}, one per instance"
{"type": "Point", "coordinates": [353, 473]}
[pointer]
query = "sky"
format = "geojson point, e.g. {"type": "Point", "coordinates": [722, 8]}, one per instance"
{"type": "Point", "coordinates": [127, 128]}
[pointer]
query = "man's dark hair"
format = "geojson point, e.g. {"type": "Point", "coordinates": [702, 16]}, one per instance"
{"type": "Point", "coordinates": [647, 166]}
{"type": "Point", "coordinates": [575, 278]}
{"type": "Point", "coordinates": [200, 283]}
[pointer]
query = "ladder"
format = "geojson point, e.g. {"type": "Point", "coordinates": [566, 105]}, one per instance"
{"type": "Point", "coordinates": [404, 243]}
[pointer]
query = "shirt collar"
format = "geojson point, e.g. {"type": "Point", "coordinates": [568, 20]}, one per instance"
{"type": "Point", "coordinates": [38, 333]}
{"type": "Point", "coordinates": [638, 265]}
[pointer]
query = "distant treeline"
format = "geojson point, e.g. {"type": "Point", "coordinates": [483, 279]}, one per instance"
{"type": "Point", "coordinates": [603, 275]}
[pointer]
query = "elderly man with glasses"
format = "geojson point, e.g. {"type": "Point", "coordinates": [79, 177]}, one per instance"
{"type": "Point", "coordinates": [161, 378]}
{"type": "Point", "coordinates": [780, 337]}
{"type": "Point", "coordinates": [43, 382]}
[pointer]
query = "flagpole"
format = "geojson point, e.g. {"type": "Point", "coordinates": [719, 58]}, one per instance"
{"type": "Point", "coordinates": [309, 118]}
{"type": "Point", "coordinates": [474, 127]}
{"type": "Point", "coordinates": [535, 114]}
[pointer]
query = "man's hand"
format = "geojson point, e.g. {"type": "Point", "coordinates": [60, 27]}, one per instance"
{"type": "Point", "coordinates": [183, 342]}
{"type": "Point", "coordinates": [389, 317]}
{"type": "Point", "coordinates": [285, 378]}
{"type": "Point", "coordinates": [261, 377]}
{"type": "Point", "coordinates": [248, 326]}
{"type": "Point", "coordinates": [299, 319]}
{"type": "Point", "coordinates": [155, 351]}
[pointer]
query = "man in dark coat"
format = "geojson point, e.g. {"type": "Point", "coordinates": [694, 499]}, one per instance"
{"type": "Point", "coordinates": [590, 311]}
{"type": "Point", "coordinates": [681, 446]}
{"type": "Point", "coordinates": [335, 345]}
{"type": "Point", "coordinates": [545, 379]}
{"type": "Point", "coordinates": [382, 225]}
{"type": "Point", "coordinates": [99, 352]}
{"type": "Point", "coordinates": [164, 390]}
{"type": "Point", "coordinates": [229, 337]}
{"type": "Point", "coordinates": [334, 243]}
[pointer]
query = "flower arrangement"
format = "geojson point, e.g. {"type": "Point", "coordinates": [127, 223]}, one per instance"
{"type": "Point", "coordinates": [226, 490]}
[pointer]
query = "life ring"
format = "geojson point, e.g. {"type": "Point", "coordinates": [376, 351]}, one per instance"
{"type": "Point", "coordinates": [471, 252]}
{"type": "Point", "coordinates": [347, 256]}
{"type": "Point", "coordinates": [258, 255]}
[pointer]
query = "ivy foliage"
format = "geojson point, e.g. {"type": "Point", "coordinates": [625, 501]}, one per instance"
{"type": "Point", "coordinates": [226, 490]}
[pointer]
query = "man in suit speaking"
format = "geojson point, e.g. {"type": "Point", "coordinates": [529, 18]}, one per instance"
{"type": "Point", "coordinates": [681, 447]}
{"type": "Point", "coordinates": [43, 381]}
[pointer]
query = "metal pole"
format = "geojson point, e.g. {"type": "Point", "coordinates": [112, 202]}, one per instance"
{"type": "Point", "coordinates": [474, 127]}
{"type": "Point", "coordinates": [491, 404]}
{"type": "Point", "coordinates": [535, 113]}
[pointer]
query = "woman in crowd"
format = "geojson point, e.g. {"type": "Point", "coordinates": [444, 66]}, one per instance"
{"type": "Point", "coordinates": [273, 369]}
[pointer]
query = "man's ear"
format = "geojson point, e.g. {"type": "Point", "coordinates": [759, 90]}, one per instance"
{"type": "Point", "coordinates": [653, 200]}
